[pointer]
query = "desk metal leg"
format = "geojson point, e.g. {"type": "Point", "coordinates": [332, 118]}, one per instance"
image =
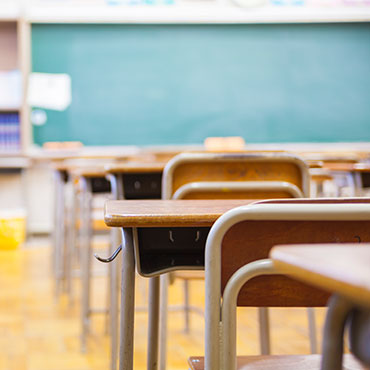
{"type": "Point", "coordinates": [117, 193]}
{"type": "Point", "coordinates": [359, 334]}
{"type": "Point", "coordinates": [71, 245]}
{"type": "Point", "coordinates": [352, 184]}
{"type": "Point", "coordinates": [336, 317]}
{"type": "Point", "coordinates": [186, 306]}
{"type": "Point", "coordinates": [85, 257]}
{"type": "Point", "coordinates": [55, 234]}
{"type": "Point", "coordinates": [163, 321]}
{"type": "Point", "coordinates": [358, 184]}
{"type": "Point", "coordinates": [127, 302]}
{"type": "Point", "coordinates": [312, 329]}
{"type": "Point", "coordinates": [153, 327]}
{"type": "Point", "coordinates": [113, 291]}
{"type": "Point", "coordinates": [264, 328]}
{"type": "Point", "coordinates": [58, 231]}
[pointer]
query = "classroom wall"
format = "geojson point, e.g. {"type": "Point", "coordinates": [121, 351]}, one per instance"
{"type": "Point", "coordinates": [168, 84]}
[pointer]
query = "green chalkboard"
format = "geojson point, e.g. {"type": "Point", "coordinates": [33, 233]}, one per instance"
{"type": "Point", "coordinates": [168, 84]}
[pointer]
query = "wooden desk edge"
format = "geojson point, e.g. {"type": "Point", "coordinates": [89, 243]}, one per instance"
{"type": "Point", "coordinates": [168, 213]}
{"type": "Point", "coordinates": [139, 167]}
{"type": "Point", "coordinates": [306, 275]}
{"type": "Point", "coordinates": [87, 172]}
{"type": "Point", "coordinates": [159, 221]}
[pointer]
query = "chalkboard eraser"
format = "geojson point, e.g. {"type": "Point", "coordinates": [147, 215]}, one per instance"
{"type": "Point", "coordinates": [229, 144]}
{"type": "Point", "coordinates": [62, 145]}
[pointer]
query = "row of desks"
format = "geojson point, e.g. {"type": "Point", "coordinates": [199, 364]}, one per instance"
{"type": "Point", "coordinates": [142, 180]}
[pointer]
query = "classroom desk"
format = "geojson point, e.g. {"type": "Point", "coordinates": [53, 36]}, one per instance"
{"type": "Point", "coordinates": [327, 157]}
{"type": "Point", "coordinates": [335, 167]}
{"type": "Point", "coordinates": [350, 167]}
{"type": "Point", "coordinates": [66, 171]}
{"type": "Point", "coordinates": [342, 159]}
{"type": "Point", "coordinates": [343, 270]}
{"type": "Point", "coordinates": [358, 174]}
{"type": "Point", "coordinates": [10, 162]}
{"type": "Point", "coordinates": [86, 152]}
{"type": "Point", "coordinates": [158, 236]}
{"type": "Point", "coordinates": [62, 162]}
{"type": "Point", "coordinates": [140, 179]}
{"type": "Point", "coordinates": [124, 180]}
{"type": "Point", "coordinates": [318, 177]}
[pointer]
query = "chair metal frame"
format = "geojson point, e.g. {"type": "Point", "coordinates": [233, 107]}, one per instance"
{"type": "Point", "coordinates": [237, 186]}
{"type": "Point", "coordinates": [168, 192]}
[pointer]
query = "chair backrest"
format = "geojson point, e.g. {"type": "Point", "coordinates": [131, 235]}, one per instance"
{"type": "Point", "coordinates": [251, 239]}
{"type": "Point", "coordinates": [241, 175]}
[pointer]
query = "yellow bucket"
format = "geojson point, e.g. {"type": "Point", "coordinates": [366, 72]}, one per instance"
{"type": "Point", "coordinates": [12, 229]}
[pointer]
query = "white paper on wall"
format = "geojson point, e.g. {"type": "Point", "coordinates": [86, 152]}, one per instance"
{"type": "Point", "coordinates": [50, 90]}
{"type": "Point", "coordinates": [10, 89]}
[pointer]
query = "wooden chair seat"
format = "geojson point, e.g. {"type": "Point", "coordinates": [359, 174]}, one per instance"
{"type": "Point", "coordinates": [189, 275]}
{"type": "Point", "coordinates": [280, 362]}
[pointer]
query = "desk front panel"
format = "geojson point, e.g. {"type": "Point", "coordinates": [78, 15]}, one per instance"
{"type": "Point", "coordinates": [170, 248]}
{"type": "Point", "coordinates": [142, 185]}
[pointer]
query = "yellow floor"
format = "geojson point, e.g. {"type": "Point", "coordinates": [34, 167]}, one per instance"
{"type": "Point", "coordinates": [38, 332]}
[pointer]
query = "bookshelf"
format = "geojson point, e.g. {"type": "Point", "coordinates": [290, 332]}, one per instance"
{"type": "Point", "coordinates": [13, 117]}
{"type": "Point", "coordinates": [13, 61]}
{"type": "Point", "coordinates": [10, 86]}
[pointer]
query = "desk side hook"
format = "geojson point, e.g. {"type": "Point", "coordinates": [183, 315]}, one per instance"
{"type": "Point", "coordinates": [111, 258]}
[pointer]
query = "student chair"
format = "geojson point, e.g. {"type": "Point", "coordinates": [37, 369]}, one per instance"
{"type": "Point", "coordinates": [229, 176]}
{"type": "Point", "coordinates": [236, 251]}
